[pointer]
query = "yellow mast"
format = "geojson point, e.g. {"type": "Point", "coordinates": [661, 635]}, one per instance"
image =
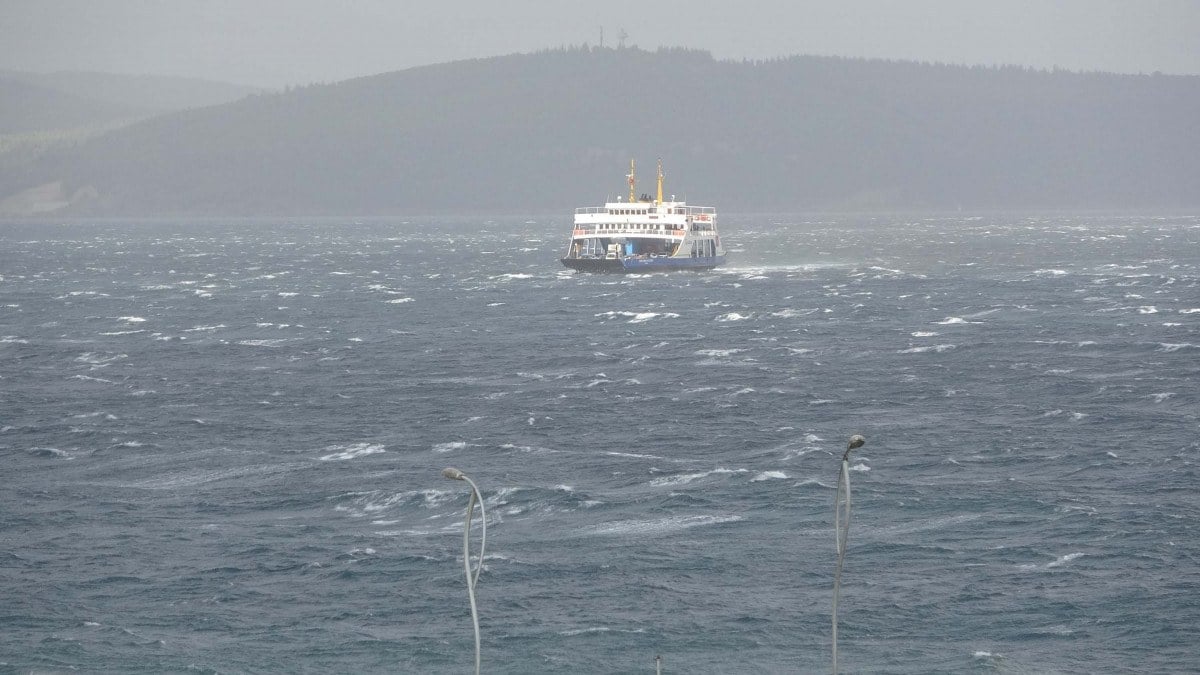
{"type": "Point", "coordinates": [660, 177]}
{"type": "Point", "coordinates": [632, 179]}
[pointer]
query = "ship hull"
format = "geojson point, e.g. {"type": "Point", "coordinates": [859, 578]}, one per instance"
{"type": "Point", "coordinates": [630, 265]}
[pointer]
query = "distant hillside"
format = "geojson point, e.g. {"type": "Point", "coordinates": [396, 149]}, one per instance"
{"type": "Point", "coordinates": [42, 112]}
{"type": "Point", "coordinates": [147, 93]}
{"type": "Point", "coordinates": [552, 130]}
{"type": "Point", "coordinates": [28, 108]}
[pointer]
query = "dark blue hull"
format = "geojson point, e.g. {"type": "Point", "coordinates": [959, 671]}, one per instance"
{"type": "Point", "coordinates": [624, 265]}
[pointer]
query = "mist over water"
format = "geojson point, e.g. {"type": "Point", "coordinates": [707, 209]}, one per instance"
{"type": "Point", "coordinates": [224, 442]}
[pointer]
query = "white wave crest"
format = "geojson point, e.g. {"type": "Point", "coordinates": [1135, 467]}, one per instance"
{"type": "Point", "coordinates": [660, 526]}
{"type": "Point", "coordinates": [718, 352]}
{"type": "Point", "coordinates": [1175, 346]}
{"type": "Point", "coordinates": [262, 343]}
{"type": "Point", "coordinates": [638, 317]}
{"type": "Point", "coordinates": [1057, 562]}
{"type": "Point", "coordinates": [683, 479]}
{"type": "Point", "coordinates": [931, 348]}
{"type": "Point", "coordinates": [344, 452]}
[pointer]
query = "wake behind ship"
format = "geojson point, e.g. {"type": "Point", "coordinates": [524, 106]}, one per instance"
{"type": "Point", "coordinates": [644, 235]}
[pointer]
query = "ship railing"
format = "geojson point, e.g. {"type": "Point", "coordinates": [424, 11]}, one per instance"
{"type": "Point", "coordinates": [623, 229]}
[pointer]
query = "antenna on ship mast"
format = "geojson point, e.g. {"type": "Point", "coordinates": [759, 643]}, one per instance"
{"type": "Point", "coordinates": [660, 177]}
{"type": "Point", "coordinates": [632, 180]}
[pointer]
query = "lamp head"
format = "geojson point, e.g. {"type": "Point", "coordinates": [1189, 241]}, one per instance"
{"type": "Point", "coordinates": [856, 441]}
{"type": "Point", "coordinates": [452, 473]}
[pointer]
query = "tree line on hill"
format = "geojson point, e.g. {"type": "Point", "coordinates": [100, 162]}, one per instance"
{"type": "Point", "coordinates": [541, 132]}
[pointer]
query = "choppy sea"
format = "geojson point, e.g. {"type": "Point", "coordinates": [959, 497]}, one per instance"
{"type": "Point", "coordinates": [222, 445]}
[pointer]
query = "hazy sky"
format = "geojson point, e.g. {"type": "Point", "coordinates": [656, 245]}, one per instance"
{"type": "Point", "coordinates": [277, 42]}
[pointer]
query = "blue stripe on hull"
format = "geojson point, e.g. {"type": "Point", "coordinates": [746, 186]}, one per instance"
{"type": "Point", "coordinates": [642, 264]}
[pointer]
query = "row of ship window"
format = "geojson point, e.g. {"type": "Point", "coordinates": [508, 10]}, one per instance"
{"type": "Point", "coordinates": [638, 226]}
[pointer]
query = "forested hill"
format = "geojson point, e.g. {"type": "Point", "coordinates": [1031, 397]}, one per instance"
{"type": "Point", "coordinates": [548, 131]}
{"type": "Point", "coordinates": [145, 93]}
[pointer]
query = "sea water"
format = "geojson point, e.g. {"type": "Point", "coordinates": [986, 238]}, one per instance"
{"type": "Point", "coordinates": [223, 440]}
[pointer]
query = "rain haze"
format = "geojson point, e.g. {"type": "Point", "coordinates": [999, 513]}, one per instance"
{"type": "Point", "coordinates": [272, 44]}
{"type": "Point", "coordinates": [274, 274]}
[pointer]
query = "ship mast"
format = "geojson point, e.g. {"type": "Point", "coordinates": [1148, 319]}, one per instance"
{"type": "Point", "coordinates": [660, 177]}
{"type": "Point", "coordinates": [632, 180]}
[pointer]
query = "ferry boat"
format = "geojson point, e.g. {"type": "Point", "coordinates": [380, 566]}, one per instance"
{"type": "Point", "coordinates": [644, 234]}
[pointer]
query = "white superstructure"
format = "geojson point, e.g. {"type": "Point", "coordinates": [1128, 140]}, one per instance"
{"type": "Point", "coordinates": [644, 233]}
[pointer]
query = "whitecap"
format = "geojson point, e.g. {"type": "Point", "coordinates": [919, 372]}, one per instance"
{"type": "Point", "coordinates": [1175, 346]}
{"type": "Point", "coordinates": [97, 360]}
{"type": "Point", "coordinates": [952, 320]}
{"type": "Point", "coordinates": [683, 479]}
{"type": "Point", "coordinates": [526, 448]}
{"type": "Point", "coordinates": [925, 333]}
{"type": "Point", "coordinates": [732, 316]}
{"type": "Point", "coordinates": [131, 319]}
{"type": "Point", "coordinates": [398, 301]}
{"type": "Point", "coordinates": [582, 631]}
{"type": "Point", "coordinates": [450, 446]}
{"type": "Point", "coordinates": [344, 452]}
{"type": "Point", "coordinates": [718, 352]}
{"type": "Point", "coordinates": [1147, 309]}
{"type": "Point", "coordinates": [632, 455]}
{"type": "Point", "coordinates": [1160, 397]}
{"type": "Point", "coordinates": [659, 526]}
{"type": "Point", "coordinates": [792, 313]}
{"type": "Point", "coordinates": [99, 413]}
{"type": "Point", "coordinates": [50, 452]}
{"type": "Point", "coordinates": [92, 379]}
{"type": "Point", "coordinates": [931, 348]}
{"type": "Point", "coordinates": [768, 475]}
{"type": "Point", "coordinates": [262, 343]}
{"type": "Point", "coordinates": [1063, 559]}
